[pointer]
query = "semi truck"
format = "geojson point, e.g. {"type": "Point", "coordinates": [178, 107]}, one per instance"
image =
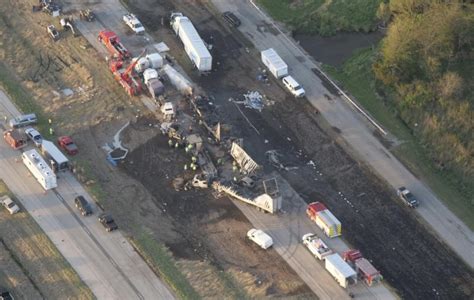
{"type": "Point", "coordinates": [274, 63]}
{"type": "Point", "coordinates": [193, 44]}
{"type": "Point", "coordinates": [40, 170]}
{"type": "Point", "coordinates": [362, 266]}
{"type": "Point", "coordinates": [340, 270]}
{"type": "Point", "coordinates": [324, 219]}
{"type": "Point", "coordinates": [56, 159]}
{"type": "Point", "coordinates": [316, 246]}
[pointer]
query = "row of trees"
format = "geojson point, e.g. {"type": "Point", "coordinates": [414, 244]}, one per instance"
{"type": "Point", "coordinates": [427, 58]}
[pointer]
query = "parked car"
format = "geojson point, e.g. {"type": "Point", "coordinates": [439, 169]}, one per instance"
{"type": "Point", "coordinates": [260, 238]}
{"type": "Point", "coordinates": [83, 206]}
{"type": "Point", "coordinates": [231, 18]}
{"type": "Point", "coordinates": [68, 145]}
{"type": "Point", "coordinates": [5, 295]}
{"type": "Point", "coordinates": [34, 135]}
{"type": "Point", "coordinates": [293, 86]}
{"type": "Point", "coordinates": [23, 120]}
{"type": "Point", "coordinates": [407, 197]}
{"type": "Point", "coordinates": [108, 222]}
{"type": "Point", "coordinates": [11, 206]}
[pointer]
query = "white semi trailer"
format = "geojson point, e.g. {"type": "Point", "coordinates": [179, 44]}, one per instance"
{"type": "Point", "coordinates": [40, 170]}
{"type": "Point", "coordinates": [340, 270]}
{"type": "Point", "coordinates": [193, 44]}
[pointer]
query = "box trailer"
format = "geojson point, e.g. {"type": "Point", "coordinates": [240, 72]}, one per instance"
{"type": "Point", "coordinates": [40, 170]}
{"type": "Point", "coordinates": [340, 270]}
{"type": "Point", "coordinates": [56, 159]}
{"type": "Point", "coordinates": [193, 44]}
{"type": "Point", "coordinates": [15, 138]}
{"type": "Point", "coordinates": [274, 63]}
{"type": "Point", "coordinates": [325, 220]}
{"type": "Point", "coordinates": [316, 246]}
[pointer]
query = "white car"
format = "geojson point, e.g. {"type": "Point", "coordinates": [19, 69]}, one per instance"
{"type": "Point", "coordinates": [9, 205]}
{"type": "Point", "coordinates": [260, 238]}
{"type": "Point", "coordinates": [293, 86]}
{"type": "Point", "coordinates": [34, 135]}
{"type": "Point", "coordinates": [132, 21]}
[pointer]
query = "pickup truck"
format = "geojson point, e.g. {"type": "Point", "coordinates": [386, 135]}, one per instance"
{"type": "Point", "coordinates": [407, 197]}
{"type": "Point", "coordinates": [316, 246]}
{"type": "Point", "coordinates": [132, 21]}
{"type": "Point", "coordinates": [8, 203]}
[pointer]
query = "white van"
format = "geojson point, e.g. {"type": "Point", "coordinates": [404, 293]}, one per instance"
{"type": "Point", "coordinates": [260, 238]}
{"type": "Point", "coordinates": [23, 120]}
{"type": "Point", "coordinates": [293, 86]}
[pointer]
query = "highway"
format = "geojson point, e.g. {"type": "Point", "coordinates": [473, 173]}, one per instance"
{"type": "Point", "coordinates": [106, 262]}
{"type": "Point", "coordinates": [354, 128]}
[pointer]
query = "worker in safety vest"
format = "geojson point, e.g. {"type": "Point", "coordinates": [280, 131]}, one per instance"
{"type": "Point", "coordinates": [170, 143]}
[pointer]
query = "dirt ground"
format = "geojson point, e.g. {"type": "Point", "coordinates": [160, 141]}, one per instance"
{"type": "Point", "coordinates": [204, 233]}
{"type": "Point", "coordinates": [31, 266]}
{"type": "Point", "coordinates": [410, 257]}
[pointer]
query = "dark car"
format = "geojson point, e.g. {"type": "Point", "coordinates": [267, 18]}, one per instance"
{"type": "Point", "coordinates": [4, 295]}
{"type": "Point", "coordinates": [108, 222]}
{"type": "Point", "coordinates": [83, 206]}
{"type": "Point", "coordinates": [232, 19]}
{"type": "Point", "coordinates": [407, 197]}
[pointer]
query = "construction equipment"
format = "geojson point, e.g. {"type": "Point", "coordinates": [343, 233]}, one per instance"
{"type": "Point", "coordinates": [66, 23]}
{"type": "Point", "coordinates": [325, 220]}
{"type": "Point", "coordinates": [53, 32]}
{"type": "Point", "coordinates": [87, 15]}
{"type": "Point", "coordinates": [126, 77]}
{"type": "Point", "coordinates": [362, 266]}
{"type": "Point", "coordinates": [112, 42]}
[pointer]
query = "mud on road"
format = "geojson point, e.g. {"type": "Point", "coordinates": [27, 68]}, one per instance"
{"type": "Point", "coordinates": [410, 257]}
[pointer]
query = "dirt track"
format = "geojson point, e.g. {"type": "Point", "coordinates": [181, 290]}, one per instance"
{"type": "Point", "coordinates": [410, 258]}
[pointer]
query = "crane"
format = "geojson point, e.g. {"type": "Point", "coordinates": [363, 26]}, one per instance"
{"type": "Point", "coordinates": [125, 77]}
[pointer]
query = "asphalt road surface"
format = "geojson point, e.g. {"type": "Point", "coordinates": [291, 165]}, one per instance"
{"type": "Point", "coordinates": [354, 127]}
{"type": "Point", "coordinates": [106, 262]}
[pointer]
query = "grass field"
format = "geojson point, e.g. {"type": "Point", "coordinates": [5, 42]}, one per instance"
{"type": "Point", "coordinates": [324, 16]}
{"type": "Point", "coordinates": [33, 266]}
{"type": "Point", "coordinates": [357, 77]}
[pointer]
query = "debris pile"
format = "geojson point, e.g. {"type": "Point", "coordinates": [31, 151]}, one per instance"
{"type": "Point", "coordinates": [254, 100]}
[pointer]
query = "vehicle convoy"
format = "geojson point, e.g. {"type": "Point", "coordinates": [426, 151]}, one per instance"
{"type": "Point", "coordinates": [8, 203]}
{"type": "Point", "coordinates": [56, 159]}
{"type": "Point", "coordinates": [407, 197]}
{"type": "Point", "coordinates": [274, 63]}
{"type": "Point", "coordinates": [132, 21]}
{"type": "Point", "coordinates": [23, 120]}
{"type": "Point", "coordinates": [193, 44]}
{"type": "Point", "coordinates": [34, 135]}
{"type": "Point", "coordinates": [67, 144]}
{"type": "Point", "coordinates": [325, 220]}
{"type": "Point", "coordinates": [15, 138]}
{"type": "Point", "coordinates": [112, 42]}
{"type": "Point", "coordinates": [316, 246]}
{"type": "Point", "coordinates": [340, 270]}
{"type": "Point", "coordinates": [40, 170]}
{"type": "Point", "coordinates": [260, 238]}
{"type": "Point", "coordinates": [82, 205]}
{"type": "Point", "coordinates": [362, 266]}
{"type": "Point", "coordinates": [293, 86]}
{"type": "Point", "coordinates": [108, 222]}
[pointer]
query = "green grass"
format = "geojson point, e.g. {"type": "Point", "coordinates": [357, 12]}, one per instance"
{"type": "Point", "coordinates": [323, 16]}
{"type": "Point", "coordinates": [356, 76]}
{"type": "Point", "coordinates": [160, 257]}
